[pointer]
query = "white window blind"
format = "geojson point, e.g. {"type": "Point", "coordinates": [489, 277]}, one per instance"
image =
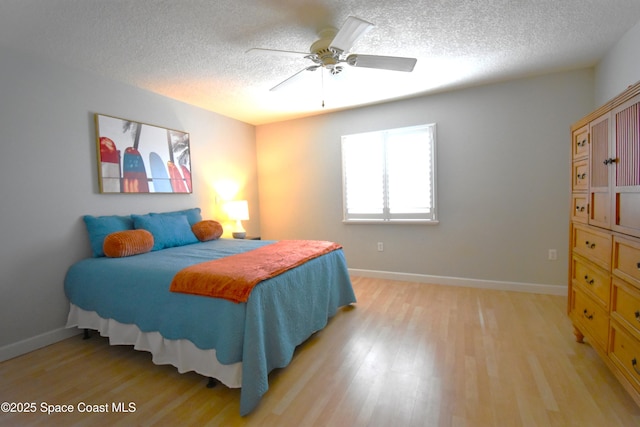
{"type": "Point", "coordinates": [389, 175]}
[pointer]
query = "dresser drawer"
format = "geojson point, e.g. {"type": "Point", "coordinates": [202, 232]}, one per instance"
{"type": "Point", "coordinates": [592, 317]}
{"type": "Point", "coordinates": [625, 353]}
{"type": "Point", "coordinates": [626, 259]}
{"type": "Point", "coordinates": [581, 142]}
{"type": "Point", "coordinates": [592, 244]}
{"type": "Point", "coordinates": [592, 279]}
{"type": "Point", "coordinates": [580, 175]}
{"type": "Point", "coordinates": [625, 305]}
{"type": "Point", "coordinates": [579, 210]}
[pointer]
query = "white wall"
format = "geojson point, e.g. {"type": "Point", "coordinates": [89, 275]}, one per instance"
{"type": "Point", "coordinates": [49, 180]}
{"type": "Point", "coordinates": [503, 178]}
{"type": "Point", "coordinates": [503, 181]}
{"type": "Point", "coordinates": [619, 68]}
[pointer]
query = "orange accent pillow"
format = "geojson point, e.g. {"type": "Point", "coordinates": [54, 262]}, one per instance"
{"type": "Point", "coordinates": [127, 243]}
{"type": "Point", "coordinates": [207, 230]}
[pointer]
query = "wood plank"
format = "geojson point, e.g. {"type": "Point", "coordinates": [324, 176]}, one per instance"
{"type": "Point", "coordinates": [406, 354]}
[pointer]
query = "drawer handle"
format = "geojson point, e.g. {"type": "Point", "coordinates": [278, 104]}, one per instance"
{"type": "Point", "coordinates": [590, 245]}
{"type": "Point", "coordinates": [637, 315]}
{"type": "Point", "coordinates": [638, 265]}
{"type": "Point", "coordinates": [634, 363]}
{"type": "Point", "coordinates": [581, 209]}
{"type": "Point", "coordinates": [588, 316]}
{"type": "Point", "coordinates": [589, 281]}
{"type": "Point", "coordinates": [582, 175]}
{"type": "Point", "coordinates": [610, 161]}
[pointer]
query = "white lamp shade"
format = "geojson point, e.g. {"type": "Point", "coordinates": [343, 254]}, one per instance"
{"type": "Point", "coordinates": [237, 210]}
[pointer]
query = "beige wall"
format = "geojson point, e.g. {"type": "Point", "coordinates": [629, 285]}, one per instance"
{"type": "Point", "coordinates": [619, 68]}
{"type": "Point", "coordinates": [503, 181]}
{"type": "Point", "coordinates": [49, 180]}
{"type": "Point", "coordinates": [503, 178]}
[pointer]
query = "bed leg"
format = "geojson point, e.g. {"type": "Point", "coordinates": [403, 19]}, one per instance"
{"type": "Point", "coordinates": [212, 382]}
{"type": "Point", "coordinates": [86, 335]}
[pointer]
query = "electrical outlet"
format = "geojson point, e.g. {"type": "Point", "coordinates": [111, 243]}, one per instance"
{"type": "Point", "coordinates": [380, 247]}
{"type": "Point", "coordinates": [553, 255]}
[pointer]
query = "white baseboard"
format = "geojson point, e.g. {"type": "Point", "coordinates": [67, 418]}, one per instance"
{"type": "Point", "coordinates": [533, 288]}
{"type": "Point", "coordinates": [25, 346]}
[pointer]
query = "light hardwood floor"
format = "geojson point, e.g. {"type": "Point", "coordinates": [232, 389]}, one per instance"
{"type": "Point", "coordinates": [406, 354]}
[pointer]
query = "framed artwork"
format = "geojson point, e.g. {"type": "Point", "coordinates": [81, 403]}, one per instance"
{"type": "Point", "coordinates": [137, 157]}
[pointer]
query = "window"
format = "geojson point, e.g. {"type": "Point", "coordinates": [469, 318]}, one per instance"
{"type": "Point", "coordinates": [389, 176]}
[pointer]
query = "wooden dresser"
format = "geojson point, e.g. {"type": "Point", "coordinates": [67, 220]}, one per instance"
{"type": "Point", "coordinates": [604, 254]}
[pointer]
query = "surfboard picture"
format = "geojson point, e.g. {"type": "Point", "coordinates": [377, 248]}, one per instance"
{"type": "Point", "coordinates": [134, 176]}
{"type": "Point", "coordinates": [159, 176]}
{"type": "Point", "coordinates": [155, 160]}
{"type": "Point", "coordinates": [110, 166]}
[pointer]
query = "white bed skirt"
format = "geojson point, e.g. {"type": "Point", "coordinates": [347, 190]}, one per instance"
{"type": "Point", "coordinates": [182, 354]}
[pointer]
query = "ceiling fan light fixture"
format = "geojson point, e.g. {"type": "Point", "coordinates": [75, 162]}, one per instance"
{"type": "Point", "coordinates": [336, 69]}
{"type": "Point", "coordinates": [322, 53]}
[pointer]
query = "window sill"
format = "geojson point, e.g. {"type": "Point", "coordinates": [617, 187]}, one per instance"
{"type": "Point", "coordinates": [391, 221]}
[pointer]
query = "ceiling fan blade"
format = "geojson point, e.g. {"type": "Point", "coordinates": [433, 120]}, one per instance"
{"type": "Point", "coordinates": [293, 77]}
{"type": "Point", "coordinates": [394, 63]}
{"type": "Point", "coordinates": [261, 51]}
{"type": "Point", "coordinates": [352, 29]}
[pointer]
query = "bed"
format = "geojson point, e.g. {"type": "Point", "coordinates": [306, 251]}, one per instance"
{"type": "Point", "coordinates": [128, 299]}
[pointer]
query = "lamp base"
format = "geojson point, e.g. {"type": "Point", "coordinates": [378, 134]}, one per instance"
{"type": "Point", "coordinates": [239, 234]}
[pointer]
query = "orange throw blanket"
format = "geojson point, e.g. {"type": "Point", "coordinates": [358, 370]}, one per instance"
{"type": "Point", "coordinates": [235, 276]}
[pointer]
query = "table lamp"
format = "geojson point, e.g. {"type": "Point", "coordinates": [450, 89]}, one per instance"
{"type": "Point", "coordinates": [238, 210]}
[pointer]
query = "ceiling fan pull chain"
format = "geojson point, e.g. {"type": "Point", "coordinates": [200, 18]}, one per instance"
{"type": "Point", "coordinates": [322, 85]}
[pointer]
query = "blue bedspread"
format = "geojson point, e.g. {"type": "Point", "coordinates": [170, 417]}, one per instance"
{"type": "Point", "coordinates": [262, 333]}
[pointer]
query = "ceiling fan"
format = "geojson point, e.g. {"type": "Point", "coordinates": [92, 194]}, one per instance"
{"type": "Point", "coordinates": [331, 51]}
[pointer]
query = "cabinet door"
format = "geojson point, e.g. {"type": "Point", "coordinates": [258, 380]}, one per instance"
{"type": "Point", "coordinates": [626, 164]}
{"type": "Point", "coordinates": [599, 176]}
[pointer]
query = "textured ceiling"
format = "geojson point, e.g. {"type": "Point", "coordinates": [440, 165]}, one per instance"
{"type": "Point", "coordinates": [194, 50]}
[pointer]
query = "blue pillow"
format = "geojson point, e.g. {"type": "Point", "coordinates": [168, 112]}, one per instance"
{"type": "Point", "coordinates": [100, 227]}
{"type": "Point", "coordinates": [193, 214]}
{"type": "Point", "coordinates": [169, 230]}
